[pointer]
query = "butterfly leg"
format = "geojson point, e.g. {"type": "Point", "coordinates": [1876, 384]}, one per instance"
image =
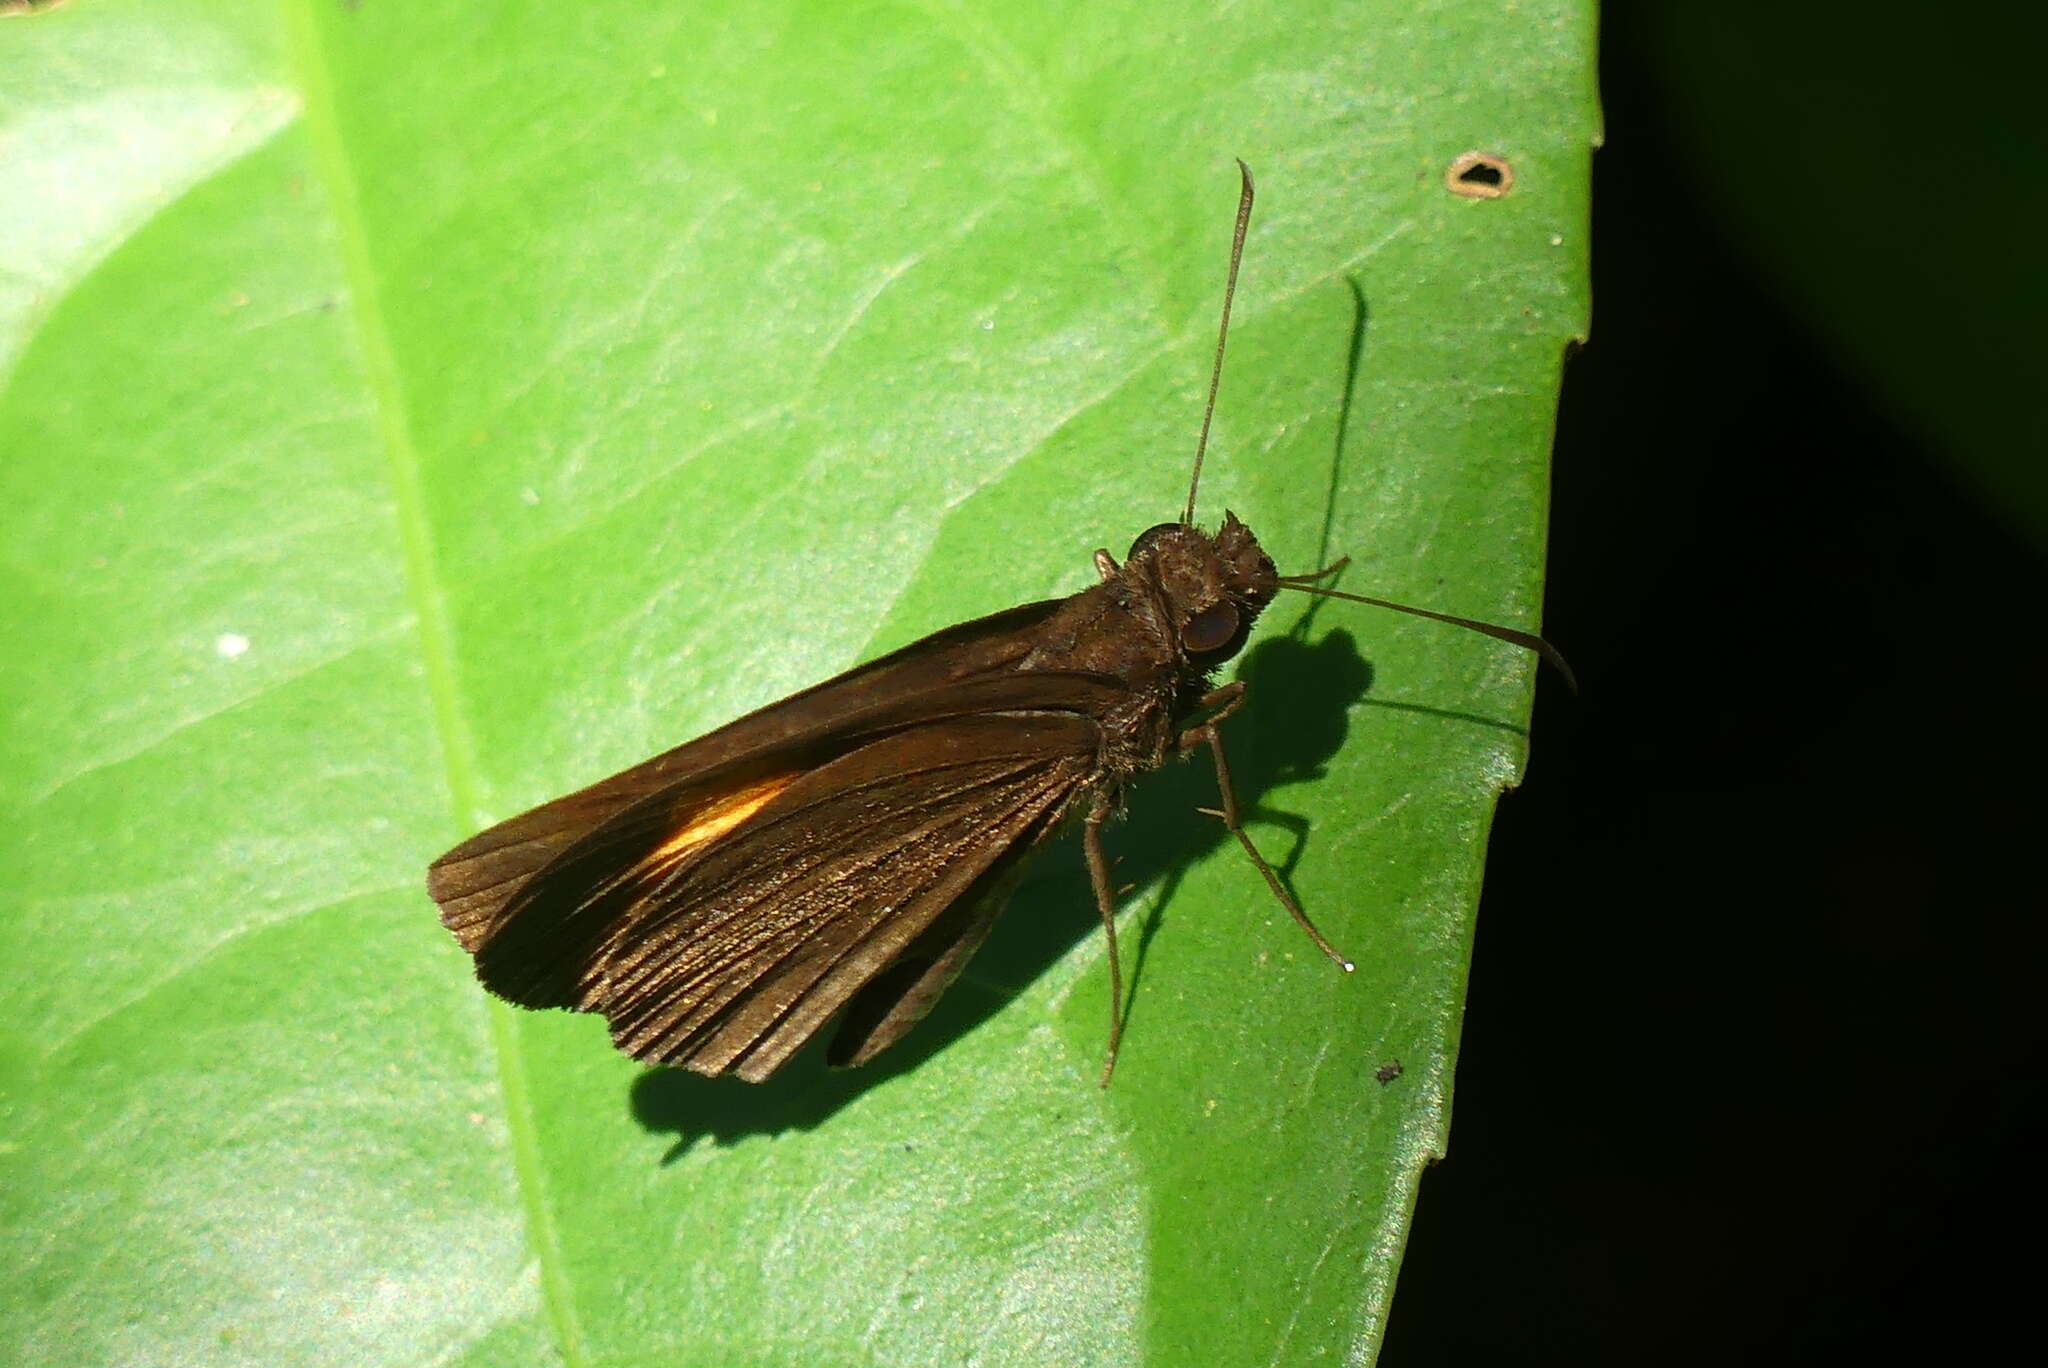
{"type": "Point", "coordinates": [1226, 701]}
{"type": "Point", "coordinates": [1312, 576]}
{"type": "Point", "coordinates": [1100, 810]}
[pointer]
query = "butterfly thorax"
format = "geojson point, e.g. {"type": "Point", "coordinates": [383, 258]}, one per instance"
{"type": "Point", "coordinates": [1181, 605]}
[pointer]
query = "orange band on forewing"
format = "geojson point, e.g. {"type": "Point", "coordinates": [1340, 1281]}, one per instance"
{"type": "Point", "coordinates": [721, 815]}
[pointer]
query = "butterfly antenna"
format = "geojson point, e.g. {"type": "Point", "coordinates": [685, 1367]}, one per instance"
{"type": "Point", "coordinates": [1551, 655]}
{"type": "Point", "coordinates": [1244, 218]}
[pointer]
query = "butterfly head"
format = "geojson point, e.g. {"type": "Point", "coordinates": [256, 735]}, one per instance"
{"type": "Point", "coordinates": [1214, 585]}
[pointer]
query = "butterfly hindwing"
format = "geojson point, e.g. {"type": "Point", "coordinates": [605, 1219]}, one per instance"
{"type": "Point", "coordinates": [737, 957]}
{"type": "Point", "coordinates": [904, 994]}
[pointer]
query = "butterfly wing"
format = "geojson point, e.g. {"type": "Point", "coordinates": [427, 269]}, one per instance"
{"type": "Point", "coordinates": [719, 921]}
{"type": "Point", "coordinates": [904, 994]}
{"type": "Point", "coordinates": [733, 955]}
{"type": "Point", "coordinates": [474, 882]}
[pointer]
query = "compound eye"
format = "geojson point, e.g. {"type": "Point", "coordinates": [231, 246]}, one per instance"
{"type": "Point", "coordinates": [1209, 630]}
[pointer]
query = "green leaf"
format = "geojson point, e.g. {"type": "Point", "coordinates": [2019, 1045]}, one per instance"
{"type": "Point", "coordinates": [411, 412]}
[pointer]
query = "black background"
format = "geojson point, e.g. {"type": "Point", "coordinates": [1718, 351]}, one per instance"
{"type": "Point", "coordinates": [1751, 1064]}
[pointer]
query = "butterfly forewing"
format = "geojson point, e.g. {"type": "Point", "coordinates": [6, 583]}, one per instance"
{"type": "Point", "coordinates": [475, 882]}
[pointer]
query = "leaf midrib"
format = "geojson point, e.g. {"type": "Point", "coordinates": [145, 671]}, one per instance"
{"type": "Point", "coordinates": [429, 602]}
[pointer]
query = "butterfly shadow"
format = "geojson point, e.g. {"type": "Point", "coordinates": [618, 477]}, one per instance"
{"type": "Point", "coordinates": [1299, 693]}
{"type": "Point", "coordinates": [1298, 696]}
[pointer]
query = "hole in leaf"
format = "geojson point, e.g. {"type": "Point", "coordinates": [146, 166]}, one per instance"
{"type": "Point", "coordinates": [1480, 175]}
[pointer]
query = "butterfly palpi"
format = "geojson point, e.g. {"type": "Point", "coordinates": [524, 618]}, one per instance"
{"type": "Point", "coordinates": [844, 852]}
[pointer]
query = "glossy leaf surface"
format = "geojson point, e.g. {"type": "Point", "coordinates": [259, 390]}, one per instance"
{"type": "Point", "coordinates": [410, 412]}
